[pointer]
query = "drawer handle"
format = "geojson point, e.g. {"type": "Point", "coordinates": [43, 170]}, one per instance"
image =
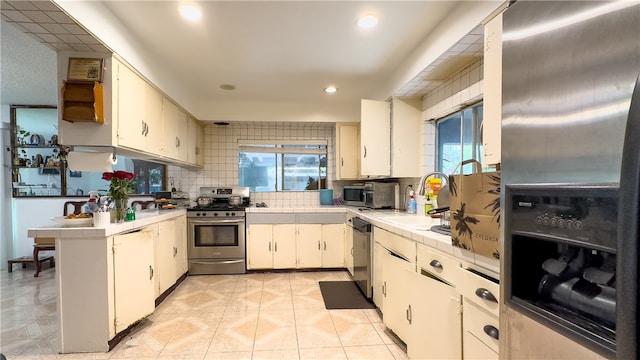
{"type": "Point", "coordinates": [491, 331]}
{"type": "Point", "coordinates": [485, 294]}
{"type": "Point", "coordinates": [436, 264]}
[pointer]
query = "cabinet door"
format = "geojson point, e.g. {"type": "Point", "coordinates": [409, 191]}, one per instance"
{"type": "Point", "coordinates": [492, 83]}
{"type": "Point", "coordinates": [165, 255]}
{"type": "Point", "coordinates": [195, 135]}
{"type": "Point", "coordinates": [375, 138]}
{"type": "Point", "coordinates": [435, 329]}
{"type": "Point", "coordinates": [378, 275]}
{"type": "Point", "coordinates": [260, 246]}
{"type": "Point", "coordinates": [133, 261]}
{"type": "Point", "coordinates": [406, 142]}
{"type": "Point", "coordinates": [154, 132]}
{"type": "Point", "coordinates": [175, 131]}
{"type": "Point", "coordinates": [333, 245]}
{"type": "Point", "coordinates": [284, 246]}
{"type": "Point", "coordinates": [396, 296]}
{"type": "Point", "coordinates": [309, 245]}
{"type": "Point", "coordinates": [131, 108]}
{"type": "Point", "coordinates": [348, 252]}
{"type": "Point", "coordinates": [180, 255]}
{"type": "Point", "coordinates": [347, 149]}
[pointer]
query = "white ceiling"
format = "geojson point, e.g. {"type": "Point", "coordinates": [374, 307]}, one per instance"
{"type": "Point", "coordinates": [273, 52]}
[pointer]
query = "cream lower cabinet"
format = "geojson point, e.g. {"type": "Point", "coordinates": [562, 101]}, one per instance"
{"type": "Point", "coordinates": [481, 299]}
{"type": "Point", "coordinates": [395, 294]}
{"type": "Point", "coordinates": [133, 277]}
{"type": "Point", "coordinates": [271, 246]}
{"type": "Point", "coordinates": [434, 318]}
{"type": "Point", "coordinates": [378, 276]}
{"type": "Point", "coordinates": [320, 245]}
{"type": "Point", "coordinates": [171, 257]}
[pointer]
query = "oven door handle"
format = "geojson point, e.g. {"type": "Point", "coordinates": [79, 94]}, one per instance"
{"type": "Point", "coordinates": [216, 221]}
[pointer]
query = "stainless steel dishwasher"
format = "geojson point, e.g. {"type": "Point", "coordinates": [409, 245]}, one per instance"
{"type": "Point", "coordinates": [362, 255]}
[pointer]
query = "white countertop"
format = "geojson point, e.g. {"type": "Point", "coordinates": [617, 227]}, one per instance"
{"type": "Point", "coordinates": [410, 226]}
{"type": "Point", "coordinates": [143, 218]}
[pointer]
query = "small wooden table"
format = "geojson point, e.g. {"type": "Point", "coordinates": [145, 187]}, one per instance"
{"type": "Point", "coordinates": [24, 260]}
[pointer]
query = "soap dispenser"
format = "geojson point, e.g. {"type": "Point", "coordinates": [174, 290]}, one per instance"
{"type": "Point", "coordinates": [411, 205]}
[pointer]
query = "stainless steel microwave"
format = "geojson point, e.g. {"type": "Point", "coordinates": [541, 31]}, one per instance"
{"type": "Point", "coordinates": [353, 195]}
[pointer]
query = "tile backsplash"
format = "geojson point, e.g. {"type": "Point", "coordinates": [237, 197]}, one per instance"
{"type": "Point", "coordinates": [221, 159]}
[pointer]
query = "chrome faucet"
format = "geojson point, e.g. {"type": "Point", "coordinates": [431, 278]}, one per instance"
{"type": "Point", "coordinates": [421, 187]}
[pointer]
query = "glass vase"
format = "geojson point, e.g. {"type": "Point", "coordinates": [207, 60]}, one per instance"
{"type": "Point", "coordinates": [120, 210]}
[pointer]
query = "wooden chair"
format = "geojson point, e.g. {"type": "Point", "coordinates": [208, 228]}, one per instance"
{"type": "Point", "coordinates": [49, 244]}
{"type": "Point", "coordinates": [143, 205]}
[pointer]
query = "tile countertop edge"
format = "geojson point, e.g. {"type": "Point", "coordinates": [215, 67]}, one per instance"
{"type": "Point", "coordinates": [143, 219]}
{"type": "Point", "coordinates": [441, 242]}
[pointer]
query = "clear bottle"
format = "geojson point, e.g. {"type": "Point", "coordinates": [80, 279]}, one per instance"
{"type": "Point", "coordinates": [411, 204]}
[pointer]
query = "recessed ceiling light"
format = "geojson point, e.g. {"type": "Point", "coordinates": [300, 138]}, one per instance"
{"type": "Point", "coordinates": [190, 12]}
{"type": "Point", "coordinates": [331, 89]}
{"type": "Point", "coordinates": [227, 87]}
{"type": "Point", "coordinates": [367, 22]}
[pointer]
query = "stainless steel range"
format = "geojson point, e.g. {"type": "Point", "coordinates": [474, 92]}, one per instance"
{"type": "Point", "coordinates": [216, 229]}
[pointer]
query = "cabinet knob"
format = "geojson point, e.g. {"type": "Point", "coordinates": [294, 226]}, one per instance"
{"type": "Point", "coordinates": [365, 151]}
{"type": "Point", "coordinates": [150, 272]}
{"type": "Point", "coordinates": [485, 294]}
{"type": "Point", "coordinates": [491, 331]}
{"type": "Point", "coordinates": [409, 314]}
{"type": "Point", "coordinates": [436, 264]}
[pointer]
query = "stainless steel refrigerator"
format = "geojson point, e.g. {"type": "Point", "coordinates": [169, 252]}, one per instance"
{"type": "Point", "coordinates": [570, 179]}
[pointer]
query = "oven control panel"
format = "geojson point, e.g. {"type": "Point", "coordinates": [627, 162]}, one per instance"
{"type": "Point", "coordinates": [204, 214]}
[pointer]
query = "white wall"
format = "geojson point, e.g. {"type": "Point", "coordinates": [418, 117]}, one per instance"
{"type": "Point", "coordinates": [221, 159]}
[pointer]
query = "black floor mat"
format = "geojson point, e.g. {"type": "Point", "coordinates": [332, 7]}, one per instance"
{"type": "Point", "coordinates": [343, 295]}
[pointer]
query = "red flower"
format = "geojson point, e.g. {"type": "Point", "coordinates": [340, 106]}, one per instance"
{"type": "Point", "coordinates": [107, 176]}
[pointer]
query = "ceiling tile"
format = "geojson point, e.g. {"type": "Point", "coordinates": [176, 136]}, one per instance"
{"type": "Point", "coordinates": [69, 39]}
{"type": "Point", "coordinates": [60, 17]}
{"type": "Point", "coordinates": [14, 15]}
{"type": "Point", "coordinates": [33, 27]}
{"type": "Point", "coordinates": [22, 5]}
{"type": "Point", "coordinates": [55, 28]}
{"type": "Point", "coordinates": [38, 16]}
{"type": "Point", "coordinates": [49, 38]}
{"type": "Point", "coordinates": [74, 29]}
{"type": "Point", "coordinates": [45, 6]}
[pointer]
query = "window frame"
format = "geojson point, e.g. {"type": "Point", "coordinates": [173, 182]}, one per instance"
{"type": "Point", "coordinates": [279, 149]}
{"type": "Point", "coordinates": [477, 119]}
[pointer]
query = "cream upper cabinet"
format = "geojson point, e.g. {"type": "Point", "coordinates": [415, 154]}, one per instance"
{"type": "Point", "coordinates": [139, 113]}
{"type": "Point", "coordinates": [175, 131]}
{"type": "Point", "coordinates": [375, 138]}
{"type": "Point", "coordinates": [347, 150]}
{"type": "Point", "coordinates": [492, 116]}
{"type": "Point", "coordinates": [195, 155]}
{"type": "Point", "coordinates": [406, 137]}
{"type": "Point", "coordinates": [132, 124]}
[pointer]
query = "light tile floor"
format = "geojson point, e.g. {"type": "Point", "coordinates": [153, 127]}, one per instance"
{"type": "Point", "coordinates": [251, 316]}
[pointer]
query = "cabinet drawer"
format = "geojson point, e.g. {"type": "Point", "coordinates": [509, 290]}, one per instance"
{"type": "Point", "coordinates": [480, 323]}
{"type": "Point", "coordinates": [438, 264]}
{"type": "Point", "coordinates": [320, 218]}
{"type": "Point", "coordinates": [479, 289]}
{"type": "Point", "coordinates": [271, 218]}
{"type": "Point", "coordinates": [474, 349]}
{"type": "Point", "coordinates": [395, 243]}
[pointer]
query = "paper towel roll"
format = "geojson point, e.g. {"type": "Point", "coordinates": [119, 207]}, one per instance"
{"type": "Point", "coordinates": [86, 161]}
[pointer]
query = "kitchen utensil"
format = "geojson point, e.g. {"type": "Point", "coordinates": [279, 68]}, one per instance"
{"type": "Point", "coordinates": [235, 200]}
{"type": "Point", "coordinates": [203, 201]}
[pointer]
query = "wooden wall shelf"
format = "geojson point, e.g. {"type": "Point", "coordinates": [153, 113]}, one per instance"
{"type": "Point", "coordinates": [82, 102]}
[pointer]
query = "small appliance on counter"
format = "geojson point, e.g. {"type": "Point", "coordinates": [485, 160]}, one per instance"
{"type": "Point", "coordinates": [379, 195]}
{"type": "Point", "coordinates": [171, 200]}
